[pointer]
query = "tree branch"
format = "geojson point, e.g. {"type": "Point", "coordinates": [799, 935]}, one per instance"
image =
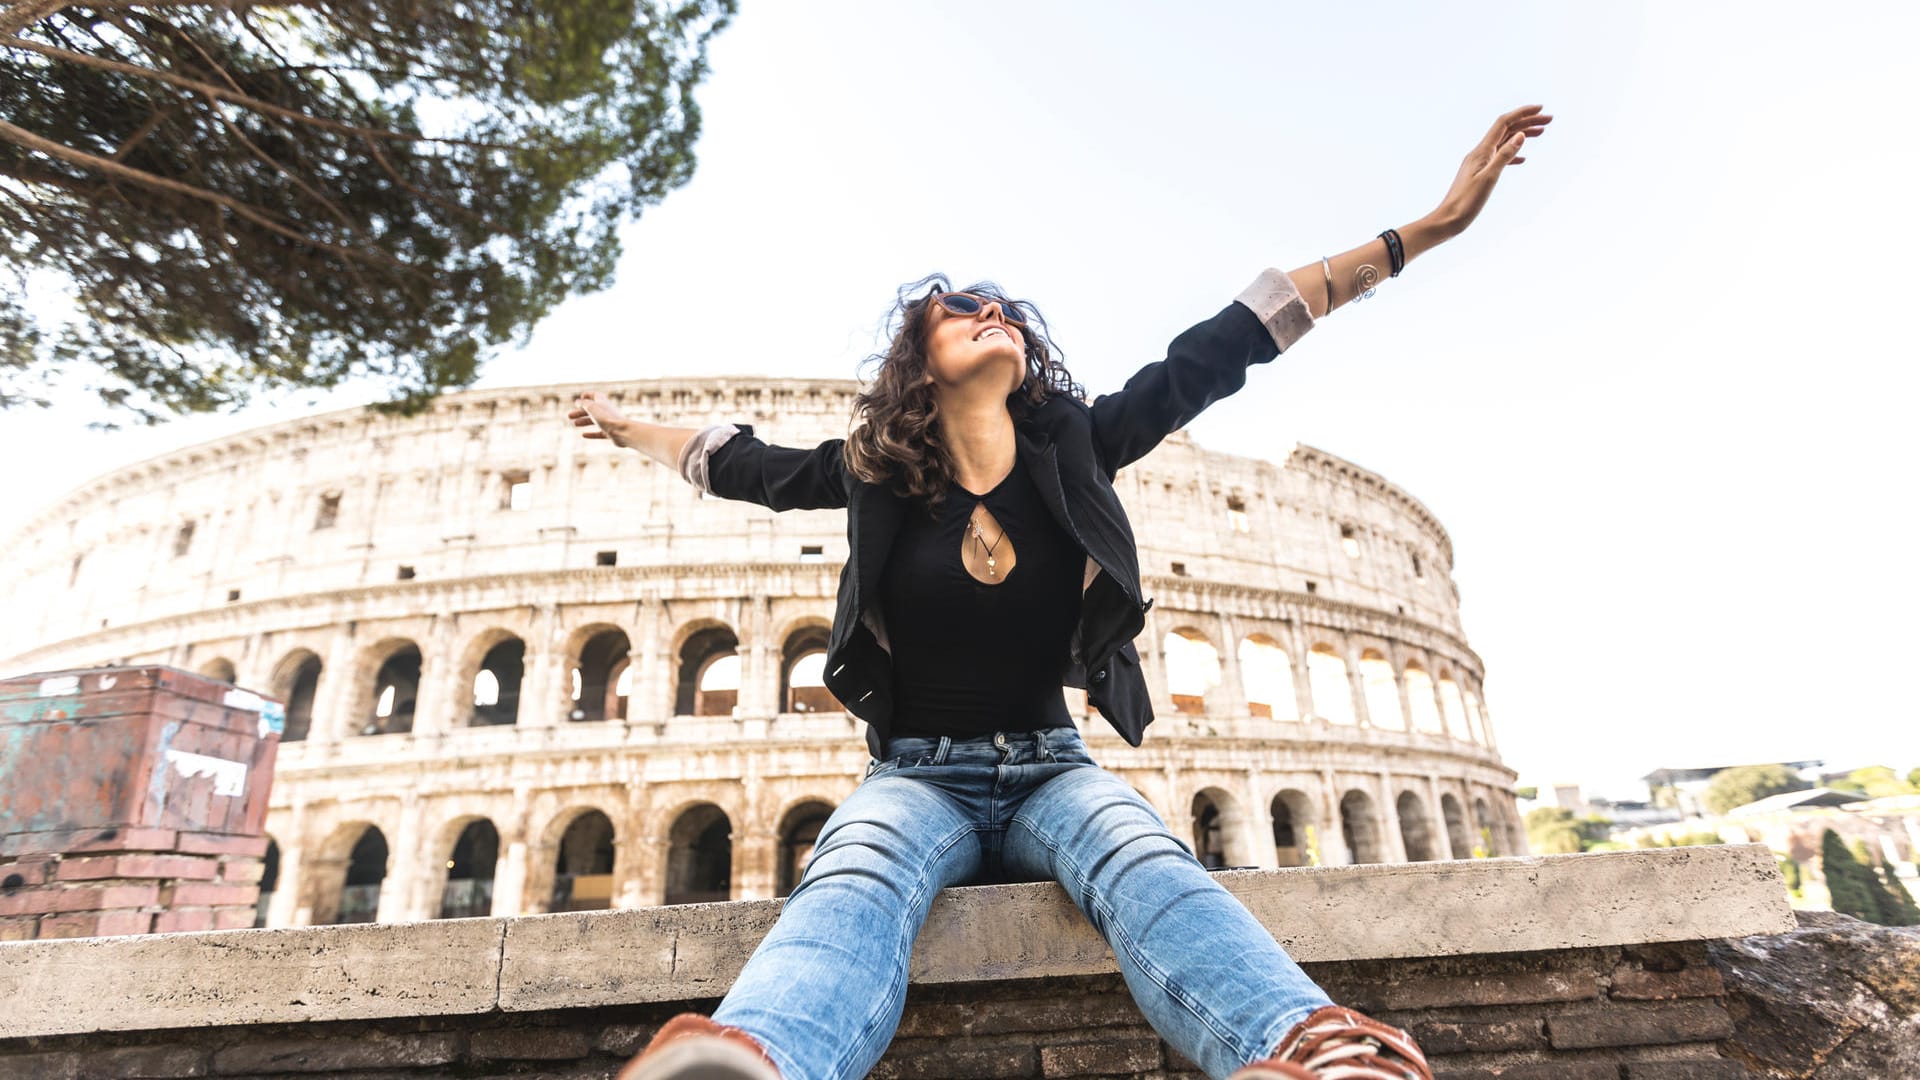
{"type": "Point", "coordinates": [113, 168]}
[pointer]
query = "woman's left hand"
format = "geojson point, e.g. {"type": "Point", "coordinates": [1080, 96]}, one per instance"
{"type": "Point", "coordinates": [1499, 148]}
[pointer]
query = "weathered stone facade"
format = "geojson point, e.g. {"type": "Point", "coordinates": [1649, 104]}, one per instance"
{"type": "Point", "coordinates": [508, 653]}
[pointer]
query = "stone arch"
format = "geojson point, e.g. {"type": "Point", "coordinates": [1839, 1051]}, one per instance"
{"type": "Point", "coordinates": [220, 669]}
{"type": "Point", "coordinates": [269, 881]}
{"type": "Point", "coordinates": [296, 681]}
{"type": "Point", "coordinates": [1327, 677]}
{"type": "Point", "coordinates": [1266, 671]}
{"type": "Point", "coordinates": [1456, 822]}
{"type": "Point", "coordinates": [1487, 839]}
{"type": "Point", "coordinates": [583, 863]}
{"type": "Point", "coordinates": [1219, 828]}
{"type": "Point", "coordinates": [705, 663]}
{"type": "Point", "coordinates": [700, 856]}
{"type": "Point", "coordinates": [1360, 827]}
{"type": "Point", "coordinates": [1294, 828]}
{"type": "Point", "coordinates": [1476, 718]}
{"type": "Point", "coordinates": [598, 670]}
{"type": "Point", "coordinates": [803, 663]}
{"type": "Point", "coordinates": [390, 687]}
{"type": "Point", "coordinates": [1383, 691]}
{"type": "Point", "coordinates": [361, 875]}
{"type": "Point", "coordinates": [1424, 713]}
{"type": "Point", "coordinates": [465, 875]}
{"type": "Point", "coordinates": [1416, 828]}
{"type": "Point", "coordinates": [1452, 710]}
{"type": "Point", "coordinates": [1193, 667]}
{"type": "Point", "coordinates": [799, 828]}
{"type": "Point", "coordinates": [492, 670]}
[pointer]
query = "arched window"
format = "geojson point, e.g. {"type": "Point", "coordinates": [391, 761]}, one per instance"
{"type": "Point", "coordinates": [366, 869]}
{"type": "Point", "coordinates": [1360, 827]}
{"type": "Point", "coordinates": [709, 678]}
{"type": "Point", "coordinates": [1416, 828]}
{"type": "Point", "coordinates": [1327, 675]}
{"type": "Point", "coordinates": [1193, 667]}
{"type": "Point", "coordinates": [798, 831]}
{"type": "Point", "coordinates": [1383, 694]}
{"type": "Point", "coordinates": [496, 686]}
{"type": "Point", "coordinates": [1425, 714]}
{"type": "Point", "coordinates": [599, 683]}
{"type": "Point", "coordinates": [469, 889]}
{"type": "Point", "coordinates": [395, 686]}
{"type": "Point", "coordinates": [1293, 829]}
{"type": "Point", "coordinates": [1453, 710]}
{"type": "Point", "coordinates": [1267, 672]}
{"type": "Point", "coordinates": [700, 856]}
{"type": "Point", "coordinates": [583, 867]}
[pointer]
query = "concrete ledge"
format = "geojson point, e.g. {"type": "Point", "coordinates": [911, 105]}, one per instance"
{"type": "Point", "coordinates": [976, 934]}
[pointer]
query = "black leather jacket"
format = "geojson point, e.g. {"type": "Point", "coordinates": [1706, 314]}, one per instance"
{"type": "Point", "coordinates": [1072, 450]}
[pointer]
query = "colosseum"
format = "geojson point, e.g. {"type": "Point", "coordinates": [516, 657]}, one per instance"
{"type": "Point", "coordinates": [526, 673]}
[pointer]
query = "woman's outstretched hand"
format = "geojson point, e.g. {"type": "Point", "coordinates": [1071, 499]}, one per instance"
{"type": "Point", "coordinates": [1499, 148]}
{"type": "Point", "coordinates": [599, 417]}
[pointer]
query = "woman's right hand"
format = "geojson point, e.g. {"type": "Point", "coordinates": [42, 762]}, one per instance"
{"type": "Point", "coordinates": [599, 417]}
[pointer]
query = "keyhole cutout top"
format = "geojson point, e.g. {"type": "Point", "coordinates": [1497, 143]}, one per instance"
{"type": "Point", "coordinates": [984, 568]}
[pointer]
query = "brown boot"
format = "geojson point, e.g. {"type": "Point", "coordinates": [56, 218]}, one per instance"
{"type": "Point", "coordinates": [1336, 1043]}
{"type": "Point", "coordinates": [693, 1047]}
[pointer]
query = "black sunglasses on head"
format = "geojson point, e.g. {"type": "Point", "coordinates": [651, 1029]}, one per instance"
{"type": "Point", "coordinates": [961, 303]}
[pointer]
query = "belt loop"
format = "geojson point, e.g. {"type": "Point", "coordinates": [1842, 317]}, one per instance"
{"type": "Point", "coordinates": [940, 755]}
{"type": "Point", "coordinates": [1043, 752]}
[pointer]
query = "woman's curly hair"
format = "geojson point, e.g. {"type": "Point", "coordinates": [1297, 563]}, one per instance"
{"type": "Point", "coordinates": [895, 435]}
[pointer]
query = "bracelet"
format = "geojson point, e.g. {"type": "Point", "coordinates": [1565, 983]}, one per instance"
{"type": "Point", "coordinates": [1329, 270]}
{"type": "Point", "coordinates": [1396, 253]}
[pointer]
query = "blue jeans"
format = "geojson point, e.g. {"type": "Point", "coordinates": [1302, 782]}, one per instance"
{"type": "Point", "coordinates": [826, 987]}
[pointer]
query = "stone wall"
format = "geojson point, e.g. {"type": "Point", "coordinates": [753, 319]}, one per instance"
{"type": "Point", "coordinates": [1576, 967]}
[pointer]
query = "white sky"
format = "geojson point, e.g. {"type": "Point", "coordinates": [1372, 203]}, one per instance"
{"type": "Point", "coordinates": [1659, 394]}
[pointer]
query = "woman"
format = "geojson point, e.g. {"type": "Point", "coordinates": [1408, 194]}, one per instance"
{"type": "Point", "coordinates": [990, 562]}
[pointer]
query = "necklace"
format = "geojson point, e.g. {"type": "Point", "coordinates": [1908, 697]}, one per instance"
{"type": "Point", "coordinates": [982, 541]}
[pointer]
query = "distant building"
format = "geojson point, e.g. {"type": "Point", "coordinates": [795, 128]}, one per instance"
{"type": "Point", "coordinates": [1689, 786]}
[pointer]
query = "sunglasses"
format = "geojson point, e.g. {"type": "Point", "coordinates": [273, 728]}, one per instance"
{"type": "Point", "coordinates": [961, 303]}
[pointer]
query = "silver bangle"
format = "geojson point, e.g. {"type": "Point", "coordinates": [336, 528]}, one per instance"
{"type": "Point", "coordinates": [1324, 265]}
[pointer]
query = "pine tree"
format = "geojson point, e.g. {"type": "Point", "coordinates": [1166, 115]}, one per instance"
{"type": "Point", "coordinates": [1850, 893]}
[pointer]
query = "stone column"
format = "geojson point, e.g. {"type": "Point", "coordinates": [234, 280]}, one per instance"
{"type": "Point", "coordinates": [1230, 700]}
{"type": "Point", "coordinates": [755, 852]}
{"type": "Point", "coordinates": [1333, 845]}
{"type": "Point", "coordinates": [759, 665]}
{"type": "Point", "coordinates": [442, 704]}
{"type": "Point", "coordinates": [1443, 838]}
{"type": "Point", "coordinates": [1400, 687]}
{"type": "Point", "coordinates": [651, 701]}
{"type": "Point", "coordinates": [510, 867]}
{"type": "Point", "coordinates": [543, 681]}
{"type": "Point", "coordinates": [282, 910]}
{"type": "Point", "coordinates": [400, 888]}
{"type": "Point", "coordinates": [334, 716]}
{"type": "Point", "coordinates": [1357, 689]}
{"type": "Point", "coordinates": [1260, 822]}
{"type": "Point", "coordinates": [650, 869]}
{"type": "Point", "coordinates": [1394, 844]}
{"type": "Point", "coordinates": [1302, 685]}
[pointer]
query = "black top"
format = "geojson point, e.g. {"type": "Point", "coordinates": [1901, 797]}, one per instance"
{"type": "Point", "coordinates": [970, 658]}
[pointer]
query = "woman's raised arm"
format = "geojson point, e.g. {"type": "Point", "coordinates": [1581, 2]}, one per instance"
{"type": "Point", "coordinates": [603, 421]}
{"type": "Point", "coordinates": [1354, 272]}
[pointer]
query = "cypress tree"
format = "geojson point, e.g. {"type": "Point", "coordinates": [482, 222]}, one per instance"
{"type": "Point", "coordinates": [1850, 893]}
{"type": "Point", "coordinates": [1897, 902]}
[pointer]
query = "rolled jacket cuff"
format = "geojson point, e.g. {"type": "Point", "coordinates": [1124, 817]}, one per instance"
{"type": "Point", "coordinates": [1278, 305]}
{"type": "Point", "coordinates": [694, 455]}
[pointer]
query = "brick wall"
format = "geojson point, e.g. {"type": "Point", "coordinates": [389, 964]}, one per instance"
{"type": "Point", "coordinates": [132, 801]}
